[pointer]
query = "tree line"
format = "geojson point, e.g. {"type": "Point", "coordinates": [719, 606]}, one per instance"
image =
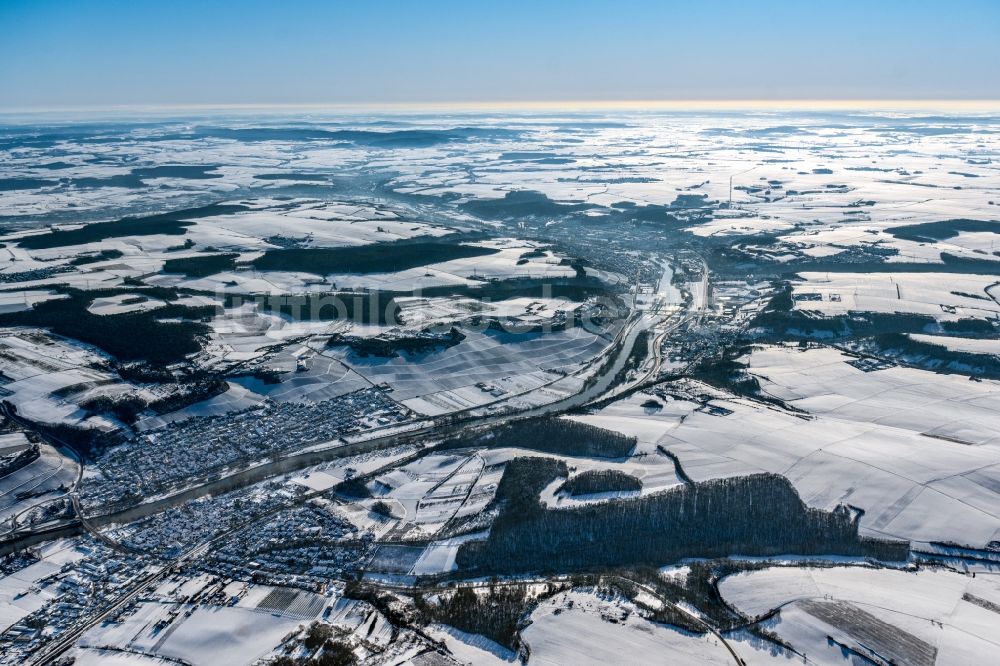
{"type": "Point", "coordinates": [601, 481]}
{"type": "Point", "coordinates": [553, 435]}
{"type": "Point", "coordinates": [757, 515]}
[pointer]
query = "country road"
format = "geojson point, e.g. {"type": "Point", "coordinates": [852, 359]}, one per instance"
{"type": "Point", "coordinates": [517, 581]}
{"type": "Point", "coordinates": [610, 363]}
{"type": "Point", "coordinates": [612, 358]}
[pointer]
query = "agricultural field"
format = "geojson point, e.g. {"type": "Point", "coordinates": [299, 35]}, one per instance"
{"type": "Point", "coordinates": [612, 627]}
{"type": "Point", "coordinates": [914, 617]}
{"type": "Point", "coordinates": [514, 388]}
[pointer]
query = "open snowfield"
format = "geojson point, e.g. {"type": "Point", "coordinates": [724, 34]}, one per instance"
{"type": "Point", "coordinates": [580, 628]}
{"type": "Point", "coordinates": [424, 311]}
{"type": "Point", "coordinates": [968, 345]}
{"type": "Point", "coordinates": [20, 592]}
{"type": "Point", "coordinates": [236, 398]}
{"type": "Point", "coordinates": [702, 216]}
{"type": "Point", "coordinates": [123, 303]}
{"type": "Point", "coordinates": [210, 635]}
{"type": "Point", "coordinates": [910, 486]}
{"type": "Point", "coordinates": [16, 600]}
{"type": "Point", "coordinates": [45, 377]}
{"type": "Point", "coordinates": [472, 648]}
{"type": "Point", "coordinates": [15, 301]}
{"type": "Point", "coordinates": [433, 490]}
{"type": "Point", "coordinates": [314, 223]}
{"type": "Point", "coordinates": [439, 556]}
{"type": "Point", "coordinates": [207, 634]}
{"type": "Point", "coordinates": [311, 223]}
{"type": "Point", "coordinates": [447, 378]}
{"type": "Point", "coordinates": [821, 382]}
{"type": "Point", "coordinates": [926, 617]}
{"type": "Point", "coordinates": [945, 297]}
{"type": "Point", "coordinates": [506, 263]}
{"type": "Point", "coordinates": [648, 425]}
{"type": "Point", "coordinates": [39, 480]}
{"type": "Point", "coordinates": [916, 450]}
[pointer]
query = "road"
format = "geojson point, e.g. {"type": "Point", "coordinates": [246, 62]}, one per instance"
{"type": "Point", "coordinates": [65, 641]}
{"type": "Point", "coordinates": [663, 319]}
{"type": "Point", "coordinates": [693, 616]}
{"type": "Point", "coordinates": [610, 362]}
{"type": "Point", "coordinates": [518, 581]}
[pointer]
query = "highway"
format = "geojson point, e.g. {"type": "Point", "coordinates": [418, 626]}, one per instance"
{"type": "Point", "coordinates": [610, 362]}
{"type": "Point", "coordinates": [66, 640]}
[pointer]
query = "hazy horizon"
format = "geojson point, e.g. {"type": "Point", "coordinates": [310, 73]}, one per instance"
{"type": "Point", "coordinates": [442, 112]}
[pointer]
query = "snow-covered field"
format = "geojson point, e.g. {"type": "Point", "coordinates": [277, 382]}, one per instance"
{"type": "Point", "coordinates": [923, 617]}
{"type": "Point", "coordinates": [822, 382]}
{"type": "Point", "coordinates": [208, 635]}
{"type": "Point", "coordinates": [446, 380]}
{"type": "Point", "coordinates": [433, 490]}
{"type": "Point", "coordinates": [170, 627]}
{"type": "Point", "coordinates": [865, 212]}
{"type": "Point", "coordinates": [581, 628]}
{"type": "Point", "coordinates": [969, 345]}
{"type": "Point", "coordinates": [20, 593]}
{"type": "Point", "coordinates": [916, 450]}
{"type": "Point", "coordinates": [942, 296]}
{"type": "Point", "coordinates": [40, 480]}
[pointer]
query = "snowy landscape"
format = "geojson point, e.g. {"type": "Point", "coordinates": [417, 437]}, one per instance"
{"type": "Point", "coordinates": [491, 388]}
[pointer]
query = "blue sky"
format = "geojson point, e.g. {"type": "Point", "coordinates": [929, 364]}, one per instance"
{"type": "Point", "coordinates": [100, 53]}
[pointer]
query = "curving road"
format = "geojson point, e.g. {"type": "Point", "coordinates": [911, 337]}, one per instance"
{"type": "Point", "coordinates": [694, 617]}
{"type": "Point", "coordinates": [609, 362]}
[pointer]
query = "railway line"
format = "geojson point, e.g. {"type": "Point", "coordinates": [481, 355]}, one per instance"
{"type": "Point", "coordinates": [609, 363]}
